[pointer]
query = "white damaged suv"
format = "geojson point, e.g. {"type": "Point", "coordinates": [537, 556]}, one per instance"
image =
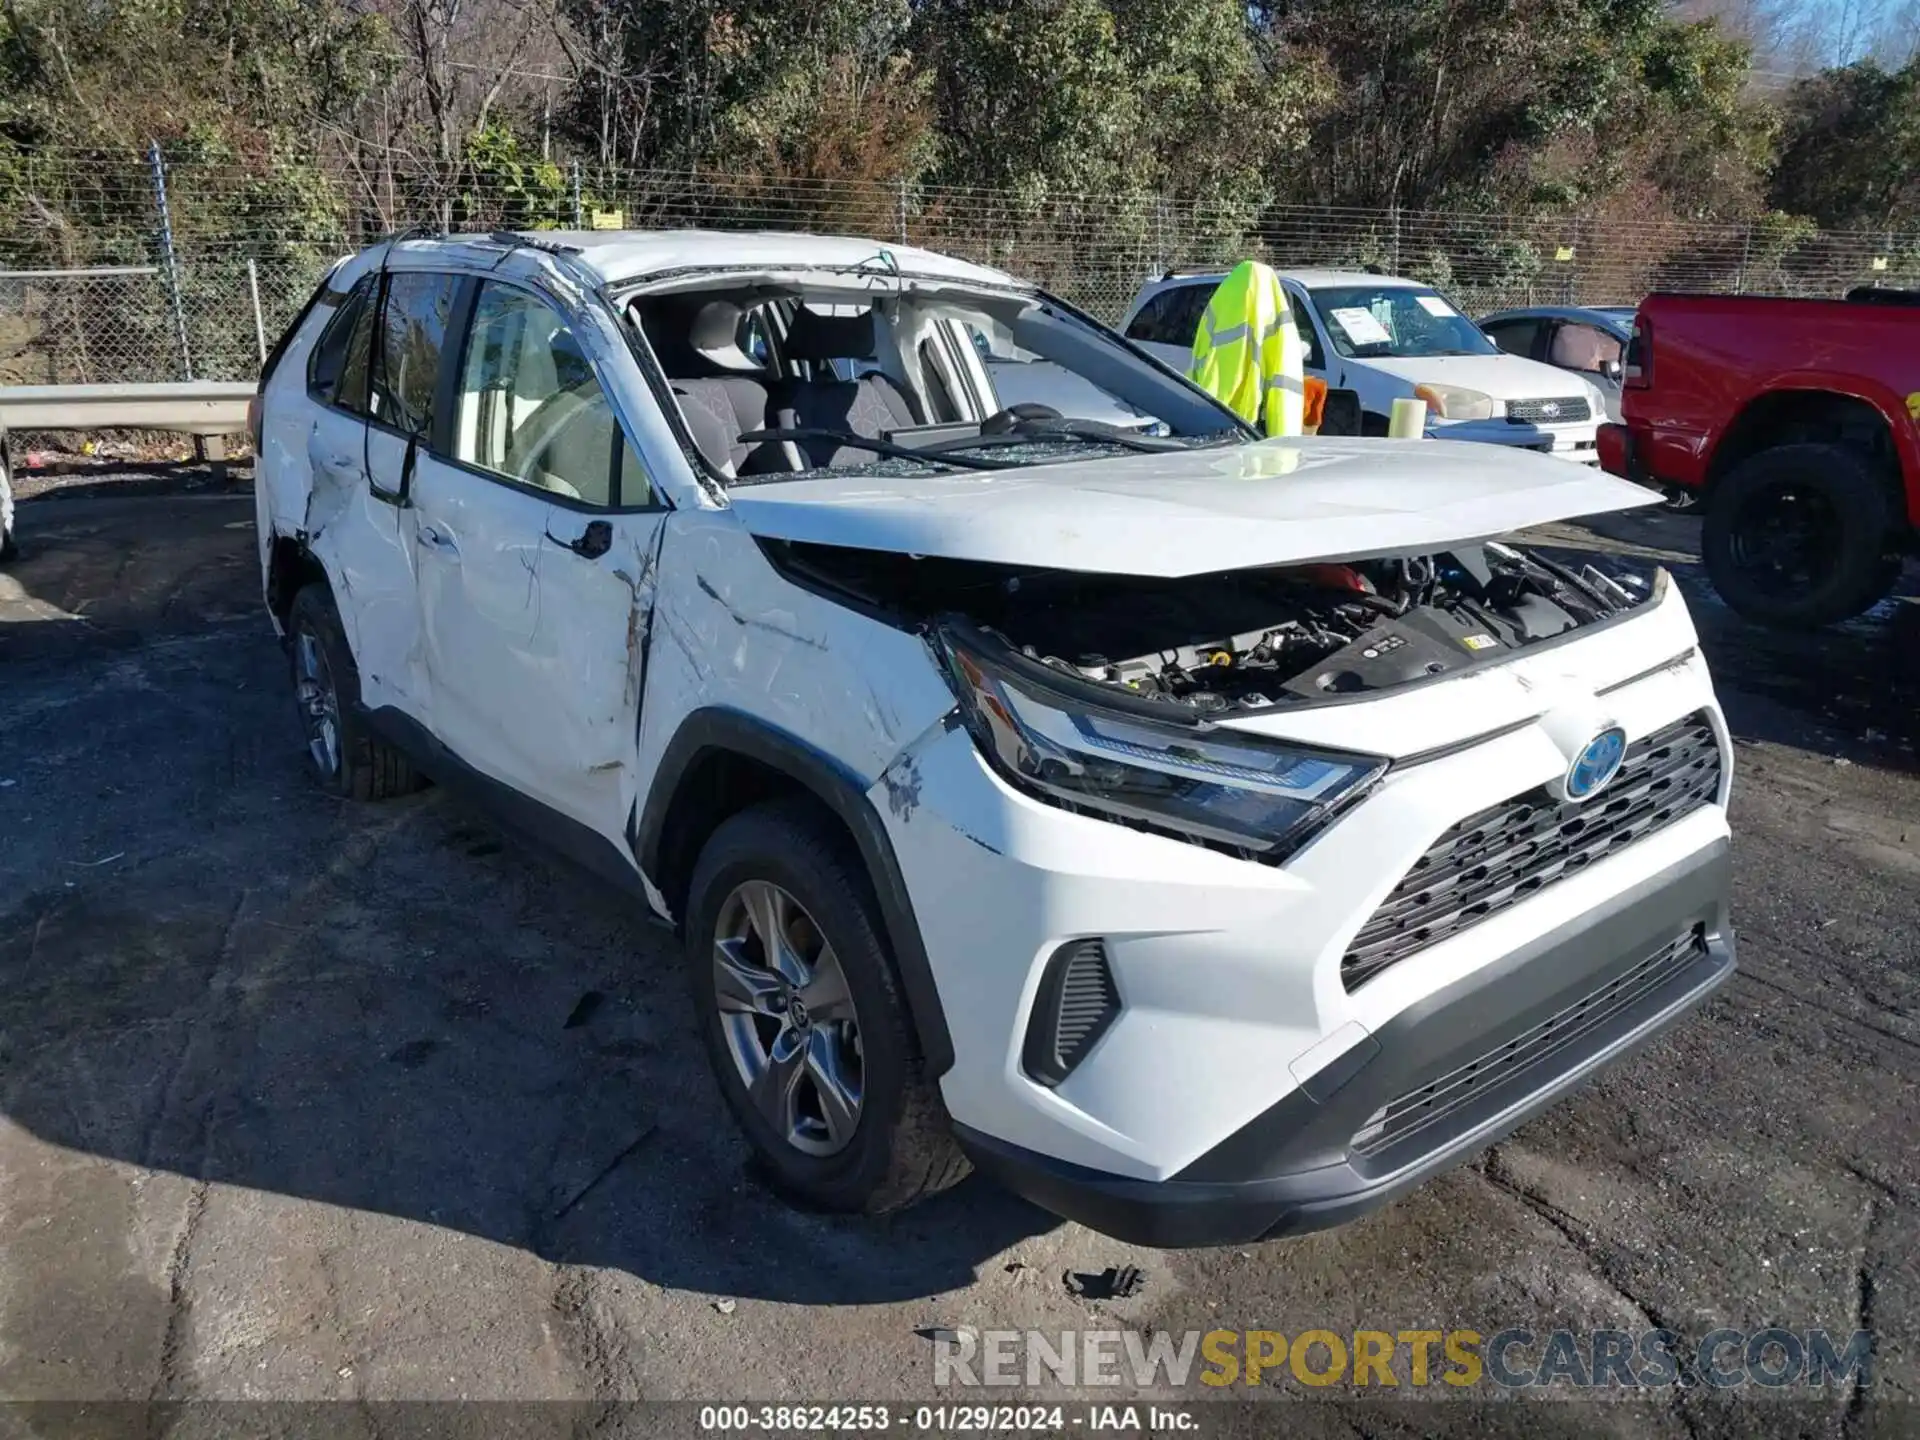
{"type": "Point", "coordinates": [1207, 837]}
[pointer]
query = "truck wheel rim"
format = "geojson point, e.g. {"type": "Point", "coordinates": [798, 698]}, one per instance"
{"type": "Point", "coordinates": [1786, 539]}
{"type": "Point", "coordinates": [319, 706]}
{"type": "Point", "coordinates": [788, 1018]}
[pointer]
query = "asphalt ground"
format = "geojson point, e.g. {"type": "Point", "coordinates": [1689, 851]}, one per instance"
{"type": "Point", "coordinates": [302, 1099]}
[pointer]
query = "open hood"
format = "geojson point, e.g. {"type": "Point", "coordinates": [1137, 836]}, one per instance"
{"type": "Point", "coordinates": [1277, 502]}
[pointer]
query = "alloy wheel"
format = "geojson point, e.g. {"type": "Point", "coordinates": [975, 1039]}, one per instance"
{"type": "Point", "coordinates": [788, 1018]}
{"type": "Point", "coordinates": [319, 702]}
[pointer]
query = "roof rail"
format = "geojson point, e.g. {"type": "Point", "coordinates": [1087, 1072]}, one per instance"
{"type": "Point", "coordinates": [514, 240]}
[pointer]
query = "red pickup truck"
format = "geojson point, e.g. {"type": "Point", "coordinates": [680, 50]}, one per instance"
{"type": "Point", "coordinates": [1797, 423]}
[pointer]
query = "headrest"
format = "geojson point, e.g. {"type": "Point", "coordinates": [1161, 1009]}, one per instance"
{"type": "Point", "coordinates": [715, 334]}
{"type": "Point", "coordinates": [814, 336]}
{"type": "Point", "coordinates": [716, 325]}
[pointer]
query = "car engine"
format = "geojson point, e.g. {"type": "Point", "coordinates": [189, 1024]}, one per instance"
{"type": "Point", "coordinates": [1253, 638]}
{"type": "Point", "coordinates": [1323, 630]}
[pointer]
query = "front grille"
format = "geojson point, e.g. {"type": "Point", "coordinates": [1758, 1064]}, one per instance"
{"type": "Point", "coordinates": [1433, 1102]}
{"type": "Point", "coordinates": [1497, 858]}
{"type": "Point", "coordinates": [1555, 411]}
{"type": "Point", "coordinates": [1077, 1001]}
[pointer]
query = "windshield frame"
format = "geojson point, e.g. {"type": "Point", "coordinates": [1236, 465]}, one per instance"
{"type": "Point", "coordinates": [1328, 299]}
{"type": "Point", "coordinates": [620, 298]}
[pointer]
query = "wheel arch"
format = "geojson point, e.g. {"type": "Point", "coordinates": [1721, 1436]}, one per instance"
{"type": "Point", "coordinates": [720, 762]}
{"type": "Point", "coordinates": [291, 567]}
{"type": "Point", "coordinates": [1790, 415]}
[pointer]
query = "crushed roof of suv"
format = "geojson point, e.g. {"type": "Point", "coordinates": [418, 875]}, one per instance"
{"type": "Point", "coordinates": [620, 255]}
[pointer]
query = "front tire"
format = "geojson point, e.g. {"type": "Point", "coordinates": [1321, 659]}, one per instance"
{"type": "Point", "coordinates": [348, 759]}
{"type": "Point", "coordinates": [1801, 536]}
{"type": "Point", "coordinates": [800, 1010]}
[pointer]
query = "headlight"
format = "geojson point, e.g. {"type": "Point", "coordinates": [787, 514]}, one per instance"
{"type": "Point", "coordinates": [1450, 402]}
{"type": "Point", "coordinates": [1202, 781]}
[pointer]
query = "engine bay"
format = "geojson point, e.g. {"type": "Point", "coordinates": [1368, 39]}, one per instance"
{"type": "Point", "coordinates": [1245, 638]}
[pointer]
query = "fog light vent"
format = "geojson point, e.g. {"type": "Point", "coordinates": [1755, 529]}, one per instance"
{"type": "Point", "coordinates": [1078, 1001]}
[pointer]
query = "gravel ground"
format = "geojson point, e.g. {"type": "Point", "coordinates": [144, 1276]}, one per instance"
{"type": "Point", "coordinates": [304, 1099]}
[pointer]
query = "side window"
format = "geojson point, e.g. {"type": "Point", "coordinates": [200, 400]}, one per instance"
{"type": "Point", "coordinates": [1516, 337]}
{"type": "Point", "coordinates": [406, 361]}
{"type": "Point", "coordinates": [329, 358]}
{"type": "Point", "coordinates": [1149, 321]}
{"type": "Point", "coordinates": [1311, 356]}
{"type": "Point", "coordinates": [755, 339]}
{"type": "Point", "coordinates": [531, 410]}
{"type": "Point", "coordinates": [1581, 347]}
{"type": "Point", "coordinates": [938, 396]}
{"type": "Point", "coordinates": [1172, 317]}
{"type": "Point", "coordinates": [355, 367]}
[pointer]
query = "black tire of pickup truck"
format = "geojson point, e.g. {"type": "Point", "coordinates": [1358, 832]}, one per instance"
{"type": "Point", "coordinates": [1843, 520]}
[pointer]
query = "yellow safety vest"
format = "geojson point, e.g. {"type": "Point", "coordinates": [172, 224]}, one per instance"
{"type": "Point", "coordinates": [1247, 353]}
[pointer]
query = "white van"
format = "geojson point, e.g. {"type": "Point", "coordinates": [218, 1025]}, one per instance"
{"type": "Point", "coordinates": [1388, 339]}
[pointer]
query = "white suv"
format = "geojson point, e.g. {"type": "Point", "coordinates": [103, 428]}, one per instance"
{"type": "Point", "coordinates": [1208, 837]}
{"type": "Point", "coordinates": [1388, 339]}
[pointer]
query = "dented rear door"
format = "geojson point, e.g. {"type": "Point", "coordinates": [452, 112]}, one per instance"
{"type": "Point", "coordinates": [354, 518]}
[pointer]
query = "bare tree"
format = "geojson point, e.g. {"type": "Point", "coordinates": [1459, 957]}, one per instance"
{"type": "Point", "coordinates": [460, 62]}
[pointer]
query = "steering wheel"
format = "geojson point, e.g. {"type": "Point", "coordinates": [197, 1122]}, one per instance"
{"type": "Point", "coordinates": [1005, 422]}
{"type": "Point", "coordinates": [537, 433]}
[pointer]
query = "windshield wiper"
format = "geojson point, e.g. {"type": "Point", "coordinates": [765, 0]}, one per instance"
{"type": "Point", "coordinates": [926, 455]}
{"type": "Point", "coordinates": [1030, 431]}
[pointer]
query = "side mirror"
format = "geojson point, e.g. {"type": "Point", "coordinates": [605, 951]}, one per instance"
{"type": "Point", "coordinates": [1612, 369]}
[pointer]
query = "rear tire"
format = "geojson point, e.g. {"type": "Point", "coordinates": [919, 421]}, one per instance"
{"type": "Point", "coordinates": [9, 549]}
{"type": "Point", "coordinates": [1802, 536]}
{"type": "Point", "coordinates": [859, 1128]}
{"type": "Point", "coordinates": [348, 759]}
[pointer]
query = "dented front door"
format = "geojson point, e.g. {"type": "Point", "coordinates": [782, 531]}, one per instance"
{"type": "Point", "coordinates": [536, 536]}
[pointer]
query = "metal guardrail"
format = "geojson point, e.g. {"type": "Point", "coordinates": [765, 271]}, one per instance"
{"type": "Point", "coordinates": [205, 409]}
{"type": "Point", "coordinates": [190, 407]}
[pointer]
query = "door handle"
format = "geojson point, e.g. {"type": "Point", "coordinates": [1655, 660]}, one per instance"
{"type": "Point", "coordinates": [439, 541]}
{"type": "Point", "coordinates": [591, 543]}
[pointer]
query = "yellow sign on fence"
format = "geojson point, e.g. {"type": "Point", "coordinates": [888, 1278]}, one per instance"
{"type": "Point", "coordinates": [608, 220]}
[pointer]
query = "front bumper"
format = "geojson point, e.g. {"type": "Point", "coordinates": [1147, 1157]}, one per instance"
{"type": "Point", "coordinates": [1448, 1076]}
{"type": "Point", "coordinates": [1570, 442]}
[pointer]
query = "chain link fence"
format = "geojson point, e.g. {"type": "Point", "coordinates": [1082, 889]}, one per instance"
{"type": "Point", "coordinates": [117, 268]}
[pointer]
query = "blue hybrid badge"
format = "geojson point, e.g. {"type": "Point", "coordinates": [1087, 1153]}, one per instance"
{"type": "Point", "coordinates": [1596, 764]}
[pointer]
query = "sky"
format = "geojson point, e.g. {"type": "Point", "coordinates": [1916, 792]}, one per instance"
{"type": "Point", "coordinates": [1792, 37]}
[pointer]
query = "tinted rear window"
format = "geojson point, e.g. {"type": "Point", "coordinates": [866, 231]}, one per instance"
{"type": "Point", "coordinates": [329, 355]}
{"type": "Point", "coordinates": [322, 298]}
